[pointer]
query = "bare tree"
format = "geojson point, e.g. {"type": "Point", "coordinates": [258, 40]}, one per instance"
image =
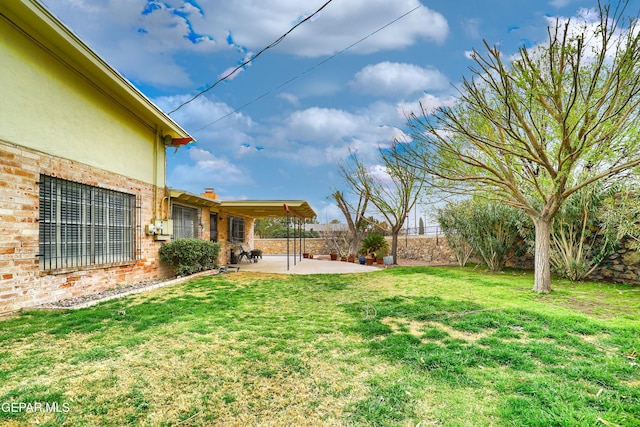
{"type": "Point", "coordinates": [393, 188]}
{"type": "Point", "coordinates": [532, 132]}
{"type": "Point", "coordinates": [355, 217]}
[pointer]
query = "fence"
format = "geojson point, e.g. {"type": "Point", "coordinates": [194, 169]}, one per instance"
{"type": "Point", "coordinates": [430, 248]}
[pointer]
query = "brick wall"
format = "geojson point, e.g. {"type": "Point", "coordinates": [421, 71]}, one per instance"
{"type": "Point", "coordinates": [22, 283]}
{"type": "Point", "coordinates": [426, 248]}
{"type": "Point", "coordinates": [223, 235]}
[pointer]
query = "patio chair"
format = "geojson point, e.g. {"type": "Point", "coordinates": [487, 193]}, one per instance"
{"type": "Point", "coordinates": [244, 253]}
{"type": "Point", "coordinates": [255, 254]}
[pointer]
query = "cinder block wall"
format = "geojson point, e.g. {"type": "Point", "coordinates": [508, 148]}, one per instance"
{"type": "Point", "coordinates": [22, 283]}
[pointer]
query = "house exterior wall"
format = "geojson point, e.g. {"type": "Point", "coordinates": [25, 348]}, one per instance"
{"type": "Point", "coordinates": [66, 114]}
{"type": "Point", "coordinates": [53, 107]}
{"type": "Point", "coordinates": [223, 237]}
{"type": "Point", "coordinates": [22, 282]}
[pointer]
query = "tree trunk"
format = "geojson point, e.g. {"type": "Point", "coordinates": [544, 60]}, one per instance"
{"type": "Point", "coordinates": [394, 245]}
{"type": "Point", "coordinates": [542, 281]}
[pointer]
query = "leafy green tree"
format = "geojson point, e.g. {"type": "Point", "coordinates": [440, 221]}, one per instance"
{"type": "Point", "coordinates": [552, 121]}
{"type": "Point", "coordinates": [276, 228]}
{"type": "Point", "coordinates": [267, 227]}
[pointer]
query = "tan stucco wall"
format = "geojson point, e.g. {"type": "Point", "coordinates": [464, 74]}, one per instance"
{"type": "Point", "coordinates": [49, 107]}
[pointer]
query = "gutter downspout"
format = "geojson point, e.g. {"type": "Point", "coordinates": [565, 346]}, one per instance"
{"type": "Point", "coordinates": [155, 173]}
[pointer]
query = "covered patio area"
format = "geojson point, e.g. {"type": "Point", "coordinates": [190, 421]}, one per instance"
{"type": "Point", "coordinates": [278, 264]}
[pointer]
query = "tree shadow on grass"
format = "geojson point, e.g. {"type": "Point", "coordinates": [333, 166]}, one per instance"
{"type": "Point", "coordinates": [550, 367]}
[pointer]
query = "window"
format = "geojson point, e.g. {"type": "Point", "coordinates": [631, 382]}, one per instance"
{"type": "Point", "coordinates": [236, 229]}
{"type": "Point", "coordinates": [82, 225]}
{"type": "Point", "coordinates": [213, 227]}
{"type": "Point", "coordinates": [186, 222]}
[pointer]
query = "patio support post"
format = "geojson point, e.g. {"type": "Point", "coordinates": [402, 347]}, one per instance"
{"type": "Point", "coordinates": [300, 232]}
{"type": "Point", "coordinates": [294, 240]}
{"type": "Point", "coordinates": [286, 208]}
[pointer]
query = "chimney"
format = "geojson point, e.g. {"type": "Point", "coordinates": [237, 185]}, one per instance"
{"type": "Point", "coordinates": [209, 193]}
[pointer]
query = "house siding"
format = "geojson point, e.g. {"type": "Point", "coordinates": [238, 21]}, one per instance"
{"type": "Point", "coordinates": [53, 104]}
{"type": "Point", "coordinates": [22, 282]}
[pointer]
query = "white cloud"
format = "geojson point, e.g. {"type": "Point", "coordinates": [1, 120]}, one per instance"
{"type": "Point", "coordinates": [144, 39]}
{"type": "Point", "coordinates": [207, 170]}
{"type": "Point", "coordinates": [199, 115]}
{"type": "Point", "coordinates": [336, 24]}
{"type": "Point", "coordinates": [320, 136]}
{"type": "Point", "coordinates": [587, 22]}
{"type": "Point", "coordinates": [139, 44]}
{"type": "Point", "coordinates": [380, 174]}
{"type": "Point", "coordinates": [289, 97]}
{"type": "Point", "coordinates": [471, 27]}
{"type": "Point", "coordinates": [427, 102]}
{"type": "Point", "coordinates": [397, 79]}
{"type": "Point", "coordinates": [559, 3]}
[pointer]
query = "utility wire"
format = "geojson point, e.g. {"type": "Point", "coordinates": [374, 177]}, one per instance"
{"type": "Point", "coordinates": [275, 43]}
{"type": "Point", "coordinates": [291, 80]}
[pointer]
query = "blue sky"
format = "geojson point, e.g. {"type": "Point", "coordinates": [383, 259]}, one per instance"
{"type": "Point", "coordinates": [309, 100]}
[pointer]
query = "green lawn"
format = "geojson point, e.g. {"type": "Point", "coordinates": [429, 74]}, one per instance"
{"type": "Point", "coordinates": [404, 346]}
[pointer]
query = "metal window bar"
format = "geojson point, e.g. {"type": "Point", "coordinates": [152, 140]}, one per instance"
{"type": "Point", "coordinates": [138, 242]}
{"type": "Point", "coordinates": [186, 222]}
{"type": "Point", "coordinates": [82, 225]}
{"type": "Point", "coordinates": [236, 229]}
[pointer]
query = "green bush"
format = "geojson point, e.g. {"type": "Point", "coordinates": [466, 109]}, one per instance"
{"type": "Point", "coordinates": [579, 240]}
{"type": "Point", "coordinates": [190, 255]}
{"type": "Point", "coordinates": [490, 229]}
{"type": "Point", "coordinates": [374, 244]}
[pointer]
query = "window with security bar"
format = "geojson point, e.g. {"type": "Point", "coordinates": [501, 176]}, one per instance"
{"type": "Point", "coordinates": [236, 229]}
{"type": "Point", "coordinates": [83, 225]}
{"type": "Point", "coordinates": [186, 222]}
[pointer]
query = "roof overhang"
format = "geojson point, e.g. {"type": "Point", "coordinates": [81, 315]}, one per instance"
{"type": "Point", "coordinates": [268, 208]}
{"type": "Point", "coordinates": [35, 20]}
{"type": "Point", "coordinates": [246, 208]}
{"type": "Point", "coordinates": [192, 199]}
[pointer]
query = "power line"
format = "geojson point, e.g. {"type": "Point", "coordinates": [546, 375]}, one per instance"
{"type": "Point", "coordinates": [273, 44]}
{"type": "Point", "coordinates": [291, 80]}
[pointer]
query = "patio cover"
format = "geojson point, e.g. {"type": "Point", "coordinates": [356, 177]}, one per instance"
{"type": "Point", "coordinates": [247, 208]}
{"type": "Point", "coordinates": [192, 199]}
{"type": "Point", "coordinates": [268, 208]}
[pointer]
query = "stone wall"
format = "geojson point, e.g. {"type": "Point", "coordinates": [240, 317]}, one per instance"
{"type": "Point", "coordinates": [22, 282]}
{"type": "Point", "coordinates": [425, 248]}
{"type": "Point", "coordinates": [623, 266]}
{"type": "Point", "coordinates": [279, 246]}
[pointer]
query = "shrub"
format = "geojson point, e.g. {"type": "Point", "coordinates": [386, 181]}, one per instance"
{"type": "Point", "coordinates": [579, 242]}
{"type": "Point", "coordinates": [374, 244]}
{"type": "Point", "coordinates": [491, 229]}
{"type": "Point", "coordinates": [190, 255]}
{"type": "Point", "coordinates": [452, 220]}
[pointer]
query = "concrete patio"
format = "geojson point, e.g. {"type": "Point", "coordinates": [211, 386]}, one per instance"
{"type": "Point", "coordinates": [278, 264]}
